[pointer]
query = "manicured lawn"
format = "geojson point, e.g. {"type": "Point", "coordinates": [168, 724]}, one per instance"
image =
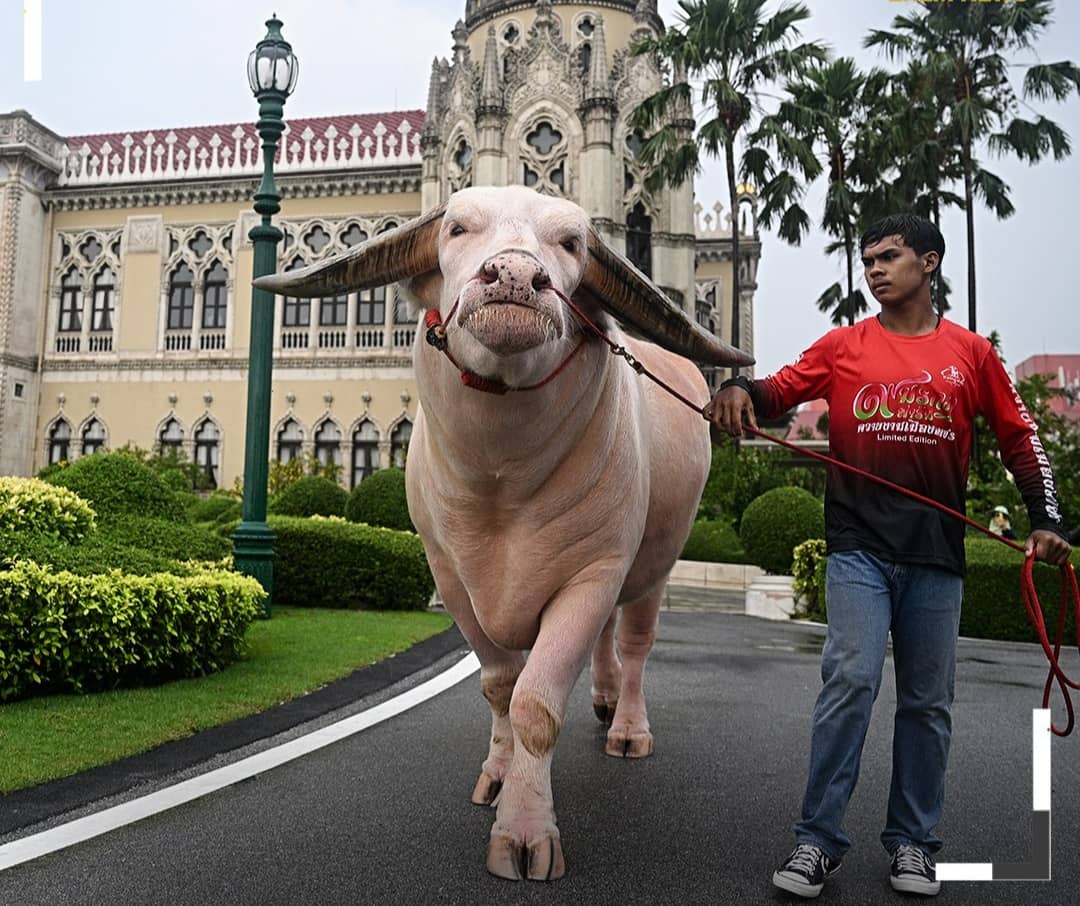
{"type": "Point", "coordinates": [299, 650]}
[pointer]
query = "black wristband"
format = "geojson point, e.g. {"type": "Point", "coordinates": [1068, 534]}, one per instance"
{"type": "Point", "coordinates": [739, 381]}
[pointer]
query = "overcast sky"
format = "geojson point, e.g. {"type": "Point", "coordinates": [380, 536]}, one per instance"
{"type": "Point", "coordinates": [126, 65]}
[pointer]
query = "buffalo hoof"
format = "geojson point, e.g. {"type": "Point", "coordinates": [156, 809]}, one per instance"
{"type": "Point", "coordinates": [487, 789]}
{"type": "Point", "coordinates": [535, 860]}
{"type": "Point", "coordinates": [604, 712]}
{"type": "Point", "coordinates": [629, 745]}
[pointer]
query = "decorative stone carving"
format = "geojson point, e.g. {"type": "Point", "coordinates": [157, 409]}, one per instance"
{"type": "Point", "coordinates": [144, 234]}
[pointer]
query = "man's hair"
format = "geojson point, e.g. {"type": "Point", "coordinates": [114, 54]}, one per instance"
{"type": "Point", "coordinates": [917, 232]}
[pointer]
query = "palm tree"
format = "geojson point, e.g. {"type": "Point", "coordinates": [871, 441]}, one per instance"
{"type": "Point", "coordinates": [964, 46]}
{"type": "Point", "coordinates": [828, 109]}
{"type": "Point", "coordinates": [735, 49]}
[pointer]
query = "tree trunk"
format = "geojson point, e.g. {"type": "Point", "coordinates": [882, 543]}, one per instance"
{"type": "Point", "coordinates": [733, 198]}
{"type": "Point", "coordinates": [969, 203]}
{"type": "Point", "coordinates": [939, 279]}
{"type": "Point", "coordinates": [848, 250]}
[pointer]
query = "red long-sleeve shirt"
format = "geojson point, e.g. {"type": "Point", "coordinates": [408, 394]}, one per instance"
{"type": "Point", "coordinates": [903, 408]}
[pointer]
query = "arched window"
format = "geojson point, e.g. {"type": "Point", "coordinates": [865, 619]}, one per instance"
{"type": "Point", "coordinates": [59, 442]}
{"type": "Point", "coordinates": [365, 452]}
{"type": "Point", "coordinates": [171, 438]}
{"type": "Point", "coordinates": [207, 437]}
{"type": "Point", "coordinates": [639, 239]}
{"type": "Point", "coordinates": [328, 444]}
{"type": "Point", "coordinates": [93, 437]}
{"type": "Point", "coordinates": [71, 301]}
{"type": "Point", "coordinates": [101, 316]}
{"type": "Point", "coordinates": [290, 441]}
{"type": "Point", "coordinates": [543, 154]}
{"type": "Point", "coordinates": [399, 443]}
{"type": "Point", "coordinates": [181, 298]}
{"type": "Point", "coordinates": [215, 297]}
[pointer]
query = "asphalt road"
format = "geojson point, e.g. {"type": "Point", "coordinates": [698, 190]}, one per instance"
{"type": "Point", "coordinates": [384, 817]}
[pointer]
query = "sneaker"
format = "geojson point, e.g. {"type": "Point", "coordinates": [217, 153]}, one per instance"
{"type": "Point", "coordinates": [805, 870]}
{"type": "Point", "coordinates": [913, 871]}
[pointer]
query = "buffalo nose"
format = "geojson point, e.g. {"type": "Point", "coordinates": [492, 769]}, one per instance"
{"type": "Point", "coordinates": [516, 269]}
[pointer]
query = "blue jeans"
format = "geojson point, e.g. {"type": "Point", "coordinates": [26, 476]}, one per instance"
{"type": "Point", "coordinates": [868, 597]}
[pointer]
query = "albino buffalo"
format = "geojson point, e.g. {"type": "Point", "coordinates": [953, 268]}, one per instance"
{"type": "Point", "coordinates": [552, 486]}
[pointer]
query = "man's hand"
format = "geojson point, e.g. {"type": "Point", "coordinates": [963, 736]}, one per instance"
{"type": "Point", "coordinates": [1049, 547]}
{"type": "Point", "coordinates": [728, 408]}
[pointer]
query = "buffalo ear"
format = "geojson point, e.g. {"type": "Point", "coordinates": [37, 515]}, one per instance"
{"type": "Point", "coordinates": [424, 291]}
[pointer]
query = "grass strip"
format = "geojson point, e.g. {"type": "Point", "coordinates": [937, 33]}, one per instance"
{"type": "Point", "coordinates": [297, 651]}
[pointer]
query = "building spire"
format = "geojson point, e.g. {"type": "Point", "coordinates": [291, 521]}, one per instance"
{"type": "Point", "coordinates": [490, 89]}
{"type": "Point", "coordinates": [460, 35]}
{"type": "Point", "coordinates": [598, 85]}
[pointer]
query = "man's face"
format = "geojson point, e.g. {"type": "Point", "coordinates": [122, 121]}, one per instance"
{"type": "Point", "coordinates": [893, 271]}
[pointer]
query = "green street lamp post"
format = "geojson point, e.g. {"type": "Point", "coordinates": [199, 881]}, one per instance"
{"type": "Point", "coordinates": [272, 70]}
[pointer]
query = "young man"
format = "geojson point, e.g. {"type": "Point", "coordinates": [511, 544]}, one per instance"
{"type": "Point", "coordinates": [903, 390]}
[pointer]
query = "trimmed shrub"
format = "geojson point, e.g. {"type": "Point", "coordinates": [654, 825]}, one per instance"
{"type": "Point", "coordinates": [220, 506]}
{"type": "Point", "coordinates": [98, 553]}
{"type": "Point", "coordinates": [65, 633]}
{"type": "Point", "coordinates": [310, 496]}
{"type": "Point", "coordinates": [776, 522]}
{"type": "Point", "coordinates": [333, 563]}
{"type": "Point", "coordinates": [714, 541]}
{"type": "Point", "coordinates": [118, 483]}
{"type": "Point", "coordinates": [808, 569]}
{"type": "Point", "coordinates": [174, 540]}
{"type": "Point", "coordinates": [380, 500]}
{"type": "Point", "coordinates": [29, 505]}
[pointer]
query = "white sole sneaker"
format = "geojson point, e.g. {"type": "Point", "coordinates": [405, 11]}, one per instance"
{"type": "Point", "coordinates": [915, 885]}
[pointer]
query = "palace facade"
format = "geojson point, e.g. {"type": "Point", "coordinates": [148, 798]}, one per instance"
{"type": "Point", "coordinates": [125, 262]}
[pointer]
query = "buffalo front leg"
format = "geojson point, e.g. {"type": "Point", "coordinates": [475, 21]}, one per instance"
{"type": "Point", "coordinates": [525, 841]}
{"type": "Point", "coordinates": [629, 735]}
{"type": "Point", "coordinates": [499, 670]}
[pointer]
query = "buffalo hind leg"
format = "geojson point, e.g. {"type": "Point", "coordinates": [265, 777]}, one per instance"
{"type": "Point", "coordinates": [629, 736]}
{"type": "Point", "coordinates": [606, 672]}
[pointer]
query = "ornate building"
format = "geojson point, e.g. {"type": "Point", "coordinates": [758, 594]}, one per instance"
{"type": "Point", "coordinates": [125, 262]}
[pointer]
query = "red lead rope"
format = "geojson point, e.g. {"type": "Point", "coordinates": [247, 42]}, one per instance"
{"type": "Point", "coordinates": [1030, 597]}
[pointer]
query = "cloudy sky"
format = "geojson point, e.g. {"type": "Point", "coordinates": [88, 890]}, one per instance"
{"type": "Point", "coordinates": [126, 65]}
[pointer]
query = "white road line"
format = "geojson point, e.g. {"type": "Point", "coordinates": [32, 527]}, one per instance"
{"type": "Point", "coordinates": [31, 847]}
{"type": "Point", "coordinates": [1041, 737]}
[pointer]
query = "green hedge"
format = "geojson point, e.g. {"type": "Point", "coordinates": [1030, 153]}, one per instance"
{"type": "Point", "coordinates": [119, 484]}
{"type": "Point", "coordinates": [714, 541]}
{"type": "Point", "coordinates": [29, 505]}
{"type": "Point", "coordinates": [380, 500]}
{"type": "Point", "coordinates": [333, 563]}
{"type": "Point", "coordinates": [97, 553]}
{"type": "Point", "coordinates": [993, 608]}
{"type": "Point", "coordinates": [175, 540]}
{"type": "Point", "coordinates": [221, 506]}
{"type": "Point", "coordinates": [310, 496]}
{"type": "Point", "coordinates": [65, 633]}
{"type": "Point", "coordinates": [776, 522]}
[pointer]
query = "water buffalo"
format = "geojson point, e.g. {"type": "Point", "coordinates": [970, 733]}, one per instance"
{"type": "Point", "coordinates": [552, 486]}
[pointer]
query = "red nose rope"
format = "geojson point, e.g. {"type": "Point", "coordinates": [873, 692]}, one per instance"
{"type": "Point", "coordinates": [436, 336]}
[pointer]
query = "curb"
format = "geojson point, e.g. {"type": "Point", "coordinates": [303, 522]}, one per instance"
{"type": "Point", "coordinates": [32, 805]}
